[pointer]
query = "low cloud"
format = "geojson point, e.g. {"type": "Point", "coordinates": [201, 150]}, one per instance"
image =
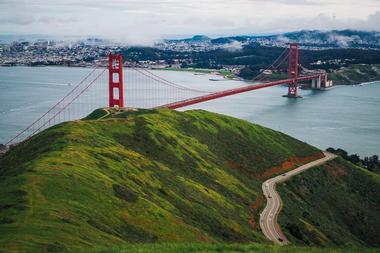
{"type": "Point", "coordinates": [24, 20]}
{"type": "Point", "coordinates": [51, 20]}
{"type": "Point", "coordinates": [342, 41]}
{"type": "Point", "coordinates": [234, 46]}
{"type": "Point", "coordinates": [145, 21]}
{"type": "Point", "coordinates": [283, 39]}
{"type": "Point", "coordinates": [46, 20]}
{"type": "Point", "coordinates": [27, 20]}
{"type": "Point", "coordinates": [293, 2]}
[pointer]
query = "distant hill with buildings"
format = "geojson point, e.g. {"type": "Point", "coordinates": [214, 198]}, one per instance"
{"type": "Point", "coordinates": [313, 39]}
{"type": "Point", "coordinates": [244, 56]}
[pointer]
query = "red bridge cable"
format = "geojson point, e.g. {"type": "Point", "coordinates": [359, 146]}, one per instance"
{"type": "Point", "coordinates": [175, 84]}
{"type": "Point", "coordinates": [278, 65]}
{"type": "Point", "coordinates": [270, 66]}
{"type": "Point", "coordinates": [53, 107]}
{"type": "Point", "coordinates": [166, 82]}
{"type": "Point", "coordinates": [68, 104]}
{"type": "Point", "coordinates": [172, 84]}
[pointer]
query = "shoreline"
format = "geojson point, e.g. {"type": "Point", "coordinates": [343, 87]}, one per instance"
{"type": "Point", "coordinates": [371, 82]}
{"type": "Point", "coordinates": [226, 74]}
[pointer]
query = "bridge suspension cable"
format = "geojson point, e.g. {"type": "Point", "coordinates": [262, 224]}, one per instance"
{"type": "Point", "coordinates": [271, 65]}
{"type": "Point", "coordinates": [278, 64]}
{"type": "Point", "coordinates": [157, 78]}
{"type": "Point", "coordinates": [69, 103]}
{"type": "Point", "coordinates": [64, 109]}
{"type": "Point", "coordinates": [54, 106]}
{"type": "Point", "coordinates": [146, 90]}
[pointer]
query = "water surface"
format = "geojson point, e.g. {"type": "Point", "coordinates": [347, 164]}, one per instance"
{"type": "Point", "coordinates": [346, 116]}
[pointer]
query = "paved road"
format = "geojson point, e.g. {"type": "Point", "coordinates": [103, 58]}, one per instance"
{"type": "Point", "coordinates": [268, 218]}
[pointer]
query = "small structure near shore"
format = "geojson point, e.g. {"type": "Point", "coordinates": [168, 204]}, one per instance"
{"type": "Point", "coordinates": [321, 83]}
{"type": "Point", "coordinates": [3, 149]}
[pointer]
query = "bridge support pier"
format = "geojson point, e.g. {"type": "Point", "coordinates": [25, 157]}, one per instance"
{"type": "Point", "coordinates": [116, 86]}
{"type": "Point", "coordinates": [316, 83]}
{"type": "Point", "coordinates": [293, 71]}
{"type": "Point", "coordinates": [323, 82]}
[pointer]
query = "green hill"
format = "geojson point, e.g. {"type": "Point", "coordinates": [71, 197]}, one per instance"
{"type": "Point", "coordinates": [226, 248]}
{"type": "Point", "coordinates": [140, 177]}
{"type": "Point", "coordinates": [356, 74]}
{"type": "Point", "coordinates": [335, 204]}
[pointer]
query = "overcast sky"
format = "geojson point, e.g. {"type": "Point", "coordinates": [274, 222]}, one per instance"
{"type": "Point", "coordinates": [143, 21]}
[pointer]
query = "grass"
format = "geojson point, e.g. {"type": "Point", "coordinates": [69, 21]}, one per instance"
{"type": "Point", "coordinates": [276, 77]}
{"type": "Point", "coordinates": [226, 248]}
{"type": "Point", "coordinates": [356, 74]}
{"type": "Point", "coordinates": [335, 204]}
{"type": "Point", "coordinates": [225, 73]}
{"type": "Point", "coordinates": [140, 177]}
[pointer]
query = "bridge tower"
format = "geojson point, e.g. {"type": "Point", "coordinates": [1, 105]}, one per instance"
{"type": "Point", "coordinates": [116, 89]}
{"type": "Point", "coordinates": [293, 71]}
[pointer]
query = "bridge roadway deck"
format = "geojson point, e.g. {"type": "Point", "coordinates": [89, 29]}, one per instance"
{"type": "Point", "coordinates": [230, 92]}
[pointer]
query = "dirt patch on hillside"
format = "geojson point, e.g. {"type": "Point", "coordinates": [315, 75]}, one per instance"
{"type": "Point", "coordinates": [288, 165]}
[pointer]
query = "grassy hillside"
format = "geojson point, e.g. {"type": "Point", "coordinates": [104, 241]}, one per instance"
{"type": "Point", "coordinates": [335, 204]}
{"type": "Point", "coordinates": [225, 248]}
{"type": "Point", "coordinates": [356, 74]}
{"type": "Point", "coordinates": [140, 177]}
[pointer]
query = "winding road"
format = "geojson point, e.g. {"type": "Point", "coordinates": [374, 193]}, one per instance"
{"type": "Point", "coordinates": [268, 218]}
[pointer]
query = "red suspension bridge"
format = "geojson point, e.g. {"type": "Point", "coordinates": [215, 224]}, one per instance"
{"type": "Point", "coordinates": [141, 88]}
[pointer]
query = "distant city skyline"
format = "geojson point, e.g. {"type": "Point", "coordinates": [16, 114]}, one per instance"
{"type": "Point", "coordinates": [146, 21]}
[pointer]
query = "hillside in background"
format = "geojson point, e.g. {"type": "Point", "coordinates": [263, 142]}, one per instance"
{"type": "Point", "coordinates": [225, 248]}
{"type": "Point", "coordinates": [244, 56]}
{"type": "Point", "coordinates": [335, 204]}
{"type": "Point", "coordinates": [306, 38]}
{"type": "Point", "coordinates": [331, 39]}
{"type": "Point", "coordinates": [252, 59]}
{"type": "Point", "coordinates": [141, 176]}
{"type": "Point", "coordinates": [356, 74]}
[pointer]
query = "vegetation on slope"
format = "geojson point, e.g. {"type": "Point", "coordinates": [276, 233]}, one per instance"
{"type": "Point", "coordinates": [140, 177]}
{"type": "Point", "coordinates": [254, 57]}
{"type": "Point", "coordinates": [371, 163]}
{"type": "Point", "coordinates": [224, 248]}
{"type": "Point", "coordinates": [356, 74]}
{"type": "Point", "coordinates": [335, 204]}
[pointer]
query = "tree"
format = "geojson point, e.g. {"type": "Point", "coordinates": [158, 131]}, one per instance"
{"type": "Point", "coordinates": [371, 163]}
{"type": "Point", "coordinates": [355, 159]}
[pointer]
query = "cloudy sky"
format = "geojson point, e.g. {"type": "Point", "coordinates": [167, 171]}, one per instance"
{"type": "Point", "coordinates": [144, 21]}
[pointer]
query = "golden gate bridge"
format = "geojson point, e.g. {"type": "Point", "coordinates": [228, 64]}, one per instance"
{"type": "Point", "coordinates": [142, 88]}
